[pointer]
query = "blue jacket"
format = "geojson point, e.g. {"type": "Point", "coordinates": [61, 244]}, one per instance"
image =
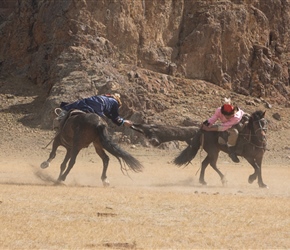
{"type": "Point", "coordinates": [99, 104]}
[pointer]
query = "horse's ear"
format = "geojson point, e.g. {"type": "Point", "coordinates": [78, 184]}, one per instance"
{"type": "Point", "coordinates": [264, 114]}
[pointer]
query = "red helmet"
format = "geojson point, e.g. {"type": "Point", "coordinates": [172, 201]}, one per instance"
{"type": "Point", "coordinates": [228, 109]}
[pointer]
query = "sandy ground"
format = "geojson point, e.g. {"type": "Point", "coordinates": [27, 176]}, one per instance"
{"type": "Point", "coordinates": [164, 207]}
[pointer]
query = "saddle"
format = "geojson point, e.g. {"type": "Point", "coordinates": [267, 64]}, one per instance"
{"type": "Point", "coordinates": [223, 136]}
{"type": "Point", "coordinates": [62, 117]}
{"type": "Point", "coordinates": [75, 112]}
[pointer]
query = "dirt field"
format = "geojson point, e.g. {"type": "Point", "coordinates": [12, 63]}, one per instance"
{"type": "Point", "coordinates": [163, 207]}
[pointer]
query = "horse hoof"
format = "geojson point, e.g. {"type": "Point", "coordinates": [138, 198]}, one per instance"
{"type": "Point", "coordinates": [106, 183]}
{"type": "Point", "coordinates": [203, 183]}
{"type": "Point", "coordinates": [44, 165]}
{"type": "Point", "coordinates": [264, 186]}
{"type": "Point", "coordinates": [59, 183]}
{"type": "Point", "coordinates": [251, 180]}
{"type": "Point", "coordinates": [224, 181]}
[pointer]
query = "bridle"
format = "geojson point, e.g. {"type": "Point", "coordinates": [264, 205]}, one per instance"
{"type": "Point", "coordinates": [262, 126]}
{"type": "Point", "coordinates": [261, 137]}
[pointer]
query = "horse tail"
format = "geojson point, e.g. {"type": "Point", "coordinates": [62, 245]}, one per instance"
{"type": "Point", "coordinates": [190, 152]}
{"type": "Point", "coordinates": [116, 151]}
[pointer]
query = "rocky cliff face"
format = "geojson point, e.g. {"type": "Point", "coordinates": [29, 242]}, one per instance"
{"type": "Point", "coordinates": [144, 48]}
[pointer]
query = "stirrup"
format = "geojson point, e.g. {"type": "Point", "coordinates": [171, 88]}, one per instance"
{"type": "Point", "coordinates": [57, 111]}
{"type": "Point", "coordinates": [60, 113]}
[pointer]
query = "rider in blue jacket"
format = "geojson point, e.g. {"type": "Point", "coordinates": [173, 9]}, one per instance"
{"type": "Point", "coordinates": [103, 105]}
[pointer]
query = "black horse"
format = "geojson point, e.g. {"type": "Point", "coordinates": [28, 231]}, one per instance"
{"type": "Point", "coordinates": [251, 141]}
{"type": "Point", "coordinates": [78, 132]}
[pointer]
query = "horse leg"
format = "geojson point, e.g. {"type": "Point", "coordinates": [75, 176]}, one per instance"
{"type": "Point", "coordinates": [52, 154]}
{"type": "Point", "coordinates": [214, 166]}
{"type": "Point", "coordinates": [71, 163]}
{"type": "Point", "coordinates": [212, 160]}
{"type": "Point", "coordinates": [256, 164]}
{"type": "Point", "coordinates": [105, 159]}
{"type": "Point", "coordinates": [63, 164]}
{"type": "Point", "coordinates": [253, 176]}
{"type": "Point", "coordinates": [204, 164]}
{"type": "Point", "coordinates": [260, 179]}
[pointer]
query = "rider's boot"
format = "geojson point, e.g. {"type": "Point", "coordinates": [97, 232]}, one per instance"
{"type": "Point", "coordinates": [233, 155]}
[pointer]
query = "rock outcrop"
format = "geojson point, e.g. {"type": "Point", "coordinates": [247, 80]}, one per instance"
{"type": "Point", "coordinates": [144, 49]}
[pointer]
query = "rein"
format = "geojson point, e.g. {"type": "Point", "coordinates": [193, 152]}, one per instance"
{"type": "Point", "coordinates": [248, 136]}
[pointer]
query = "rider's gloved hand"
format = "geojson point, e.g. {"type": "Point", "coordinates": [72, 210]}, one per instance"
{"type": "Point", "coordinates": [206, 123]}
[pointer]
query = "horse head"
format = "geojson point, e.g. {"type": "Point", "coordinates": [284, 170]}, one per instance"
{"type": "Point", "coordinates": [258, 125]}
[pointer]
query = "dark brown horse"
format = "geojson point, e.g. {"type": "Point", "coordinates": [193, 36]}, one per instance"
{"type": "Point", "coordinates": [251, 141]}
{"type": "Point", "coordinates": [78, 132]}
